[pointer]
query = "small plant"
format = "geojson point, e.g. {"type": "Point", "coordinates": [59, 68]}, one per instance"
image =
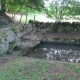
{"type": "Point", "coordinates": [60, 76]}
{"type": "Point", "coordinates": [74, 67]}
{"type": "Point", "coordinates": [10, 51]}
{"type": "Point", "coordinates": [11, 46]}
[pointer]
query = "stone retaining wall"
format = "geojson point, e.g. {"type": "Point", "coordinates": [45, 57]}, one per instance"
{"type": "Point", "coordinates": [57, 27]}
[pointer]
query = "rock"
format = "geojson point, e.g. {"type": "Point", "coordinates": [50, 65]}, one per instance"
{"type": "Point", "coordinates": [10, 35]}
{"type": "Point", "coordinates": [5, 20]}
{"type": "Point", "coordinates": [9, 39]}
{"type": "Point", "coordinates": [3, 43]}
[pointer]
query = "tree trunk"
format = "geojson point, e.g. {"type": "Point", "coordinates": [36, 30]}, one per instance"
{"type": "Point", "coordinates": [56, 11]}
{"type": "Point", "coordinates": [2, 3]}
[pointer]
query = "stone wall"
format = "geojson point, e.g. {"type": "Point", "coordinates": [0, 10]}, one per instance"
{"type": "Point", "coordinates": [9, 38]}
{"type": "Point", "coordinates": [57, 27]}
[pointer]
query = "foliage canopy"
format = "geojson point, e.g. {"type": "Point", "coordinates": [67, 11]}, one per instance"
{"type": "Point", "coordinates": [22, 5]}
{"type": "Point", "coordinates": [59, 9]}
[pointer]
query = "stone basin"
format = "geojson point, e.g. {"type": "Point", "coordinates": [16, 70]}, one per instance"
{"type": "Point", "coordinates": [57, 51]}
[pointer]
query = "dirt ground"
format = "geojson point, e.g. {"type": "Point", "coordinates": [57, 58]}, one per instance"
{"type": "Point", "coordinates": [9, 57]}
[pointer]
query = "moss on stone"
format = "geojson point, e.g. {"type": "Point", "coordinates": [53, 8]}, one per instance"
{"type": "Point", "coordinates": [3, 34]}
{"type": "Point", "coordinates": [11, 46]}
{"type": "Point", "coordinates": [15, 30]}
{"type": "Point", "coordinates": [2, 53]}
{"type": "Point", "coordinates": [0, 41]}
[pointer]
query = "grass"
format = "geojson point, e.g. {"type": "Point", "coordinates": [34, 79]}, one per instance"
{"type": "Point", "coordinates": [24, 68]}
{"type": "Point", "coordinates": [38, 17]}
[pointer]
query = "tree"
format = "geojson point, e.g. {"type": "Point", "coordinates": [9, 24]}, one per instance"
{"type": "Point", "coordinates": [59, 9]}
{"type": "Point", "coordinates": [15, 6]}
{"type": "Point", "coordinates": [24, 5]}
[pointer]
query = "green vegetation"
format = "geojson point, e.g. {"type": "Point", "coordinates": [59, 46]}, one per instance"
{"type": "Point", "coordinates": [24, 68]}
{"type": "Point", "coordinates": [15, 30]}
{"type": "Point", "coordinates": [11, 46]}
{"type": "Point", "coordinates": [64, 9]}
{"type": "Point", "coordinates": [58, 10]}
{"type": "Point", "coordinates": [15, 6]}
{"type": "Point", "coordinates": [3, 34]}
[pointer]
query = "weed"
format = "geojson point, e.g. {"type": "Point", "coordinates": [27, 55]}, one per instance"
{"type": "Point", "coordinates": [74, 67]}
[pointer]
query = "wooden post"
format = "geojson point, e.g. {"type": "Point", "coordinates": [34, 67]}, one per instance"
{"type": "Point", "coordinates": [26, 19]}
{"type": "Point", "coordinates": [34, 17]}
{"type": "Point", "coordinates": [20, 18]}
